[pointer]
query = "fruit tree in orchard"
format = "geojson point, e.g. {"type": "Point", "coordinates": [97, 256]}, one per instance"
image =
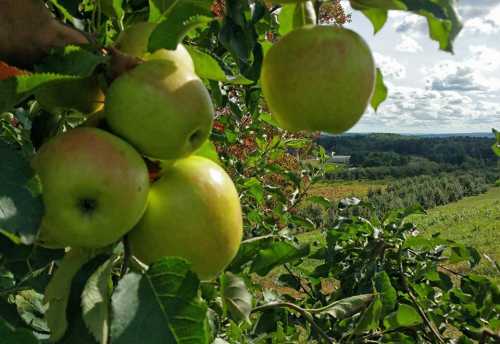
{"type": "Point", "coordinates": [156, 167]}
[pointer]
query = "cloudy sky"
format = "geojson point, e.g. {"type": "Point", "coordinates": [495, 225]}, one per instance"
{"type": "Point", "coordinates": [431, 91]}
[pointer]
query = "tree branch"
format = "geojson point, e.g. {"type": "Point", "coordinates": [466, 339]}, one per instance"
{"type": "Point", "coordinates": [300, 310]}
{"type": "Point", "coordinates": [427, 321]}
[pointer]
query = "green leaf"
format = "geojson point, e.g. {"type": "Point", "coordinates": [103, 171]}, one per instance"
{"type": "Point", "coordinates": [444, 31]}
{"type": "Point", "coordinates": [285, 19]}
{"type": "Point", "coordinates": [208, 150]}
{"type": "Point", "coordinates": [344, 308]}
{"type": "Point", "coordinates": [207, 67]}
{"type": "Point", "coordinates": [236, 297]}
{"type": "Point", "coordinates": [157, 8]}
{"type": "Point", "coordinates": [387, 292]}
{"type": "Point", "coordinates": [405, 316]}
{"type": "Point", "coordinates": [180, 18]}
{"type": "Point", "coordinates": [164, 303]}
{"type": "Point", "coordinates": [381, 91]}
{"type": "Point", "coordinates": [248, 251]}
{"type": "Point", "coordinates": [10, 335]}
{"type": "Point", "coordinates": [113, 8]}
{"type": "Point", "coordinates": [59, 288]}
{"type": "Point", "coordinates": [496, 145]}
{"type": "Point", "coordinates": [460, 253]}
{"type": "Point", "coordinates": [14, 90]}
{"type": "Point", "coordinates": [77, 332]}
{"type": "Point", "coordinates": [71, 60]}
{"type": "Point", "coordinates": [255, 188]}
{"type": "Point", "coordinates": [442, 16]}
{"type": "Point", "coordinates": [95, 302]}
{"type": "Point", "coordinates": [370, 318]}
{"type": "Point", "coordinates": [297, 143]}
{"type": "Point", "coordinates": [278, 253]}
{"type": "Point", "coordinates": [269, 119]}
{"type": "Point", "coordinates": [31, 309]}
{"type": "Point", "coordinates": [397, 338]}
{"type": "Point", "coordinates": [384, 4]}
{"type": "Point", "coordinates": [323, 201]}
{"type": "Point", "coordinates": [377, 16]}
{"type": "Point", "coordinates": [21, 207]}
{"type": "Point", "coordinates": [304, 14]}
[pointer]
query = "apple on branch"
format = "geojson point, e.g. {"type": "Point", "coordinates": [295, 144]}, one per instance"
{"type": "Point", "coordinates": [194, 212]}
{"type": "Point", "coordinates": [318, 78]}
{"type": "Point", "coordinates": [162, 108]}
{"type": "Point", "coordinates": [95, 188]}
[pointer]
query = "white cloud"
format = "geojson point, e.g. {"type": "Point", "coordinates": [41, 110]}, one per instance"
{"type": "Point", "coordinates": [484, 58]}
{"type": "Point", "coordinates": [488, 24]}
{"type": "Point", "coordinates": [408, 45]}
{"type": "Point", "coordinates": [409, 23]}
{"type": "Point", "coordinates": [477, 72]}
{"type": "Point", "coordinates": [454, 77]}
{"type": "Point", "coordinates": [411, 109]}
{"type": "Point", "coordinates": [391, 68]}
{"type": "Point", "coordinates": [431, 91]}
{"type": "Point", "coordinates": [475, 8]}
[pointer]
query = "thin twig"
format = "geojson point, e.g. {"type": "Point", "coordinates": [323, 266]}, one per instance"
{"type": "Point", "coordinates": [126, 256]}
{"type": "Point", "coordinates": [299, 280]}
{"type": "Point", "coordinates": [451, 271]}
{"type": "Point", "coordinates": [13, 290]}
{"type": "Point", "coordinates": [424, 316]}
{"type": "Point", "coordinates": [302, 312]}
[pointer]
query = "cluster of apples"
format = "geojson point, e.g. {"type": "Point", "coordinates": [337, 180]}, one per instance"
{"type": "Point", "coordinates": [96, 186]}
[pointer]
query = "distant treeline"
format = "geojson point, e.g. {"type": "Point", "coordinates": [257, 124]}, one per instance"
{"type": "Point", "coordinates": [377, 156]}
{"type": "Point", "coordinates": [428, 191]}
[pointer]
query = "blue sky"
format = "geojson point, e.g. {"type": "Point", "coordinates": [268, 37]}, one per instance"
{"type": "Point", "coordinates": [431, 91]}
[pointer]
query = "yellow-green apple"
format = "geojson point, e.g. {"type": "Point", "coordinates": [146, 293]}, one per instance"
{"type": "Point", "coordinates": [161, 108]}
{"type": "Point", "coordinates": [83, 95]}
{"type": "Point", "coordinates": [95, 188]}
{"type": "Point", "coordinates": [318, 78]}
{"type": "Point", "coordinates": [193, 212]}
{"type": "Point", "coordinates": [134, 41]}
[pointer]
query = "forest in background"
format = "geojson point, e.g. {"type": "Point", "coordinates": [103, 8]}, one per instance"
{"type": "Point", "coordinates": [378, 156]}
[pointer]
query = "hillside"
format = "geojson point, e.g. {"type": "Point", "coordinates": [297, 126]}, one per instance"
{"type": "Point", "coordinates": [473, 221]}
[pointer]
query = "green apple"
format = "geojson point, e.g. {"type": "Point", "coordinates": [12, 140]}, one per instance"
{"type": "Point", "coordinates": [194, 212]}
{"type": "Point", "coordinates": [161, 108]}
{"type": "Point", "coordinates": [83, 95]}
{"type": "Point", "coordinates": [95, 188]}
{"type": "Point", "coordinates": [179, 56]}
{"type": "Point", "coordinates": [318, 78]}
{"type": "Point", "coordinates": [134, 41]}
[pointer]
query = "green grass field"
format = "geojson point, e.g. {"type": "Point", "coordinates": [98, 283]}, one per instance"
{"type": "Point", "coordinates": [348, 188]}
{"type": "Point", "coordinates": [472, 221]}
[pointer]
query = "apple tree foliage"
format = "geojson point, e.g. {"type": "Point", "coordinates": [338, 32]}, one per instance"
{"type": "Point", "coordinates": [367, 280]}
